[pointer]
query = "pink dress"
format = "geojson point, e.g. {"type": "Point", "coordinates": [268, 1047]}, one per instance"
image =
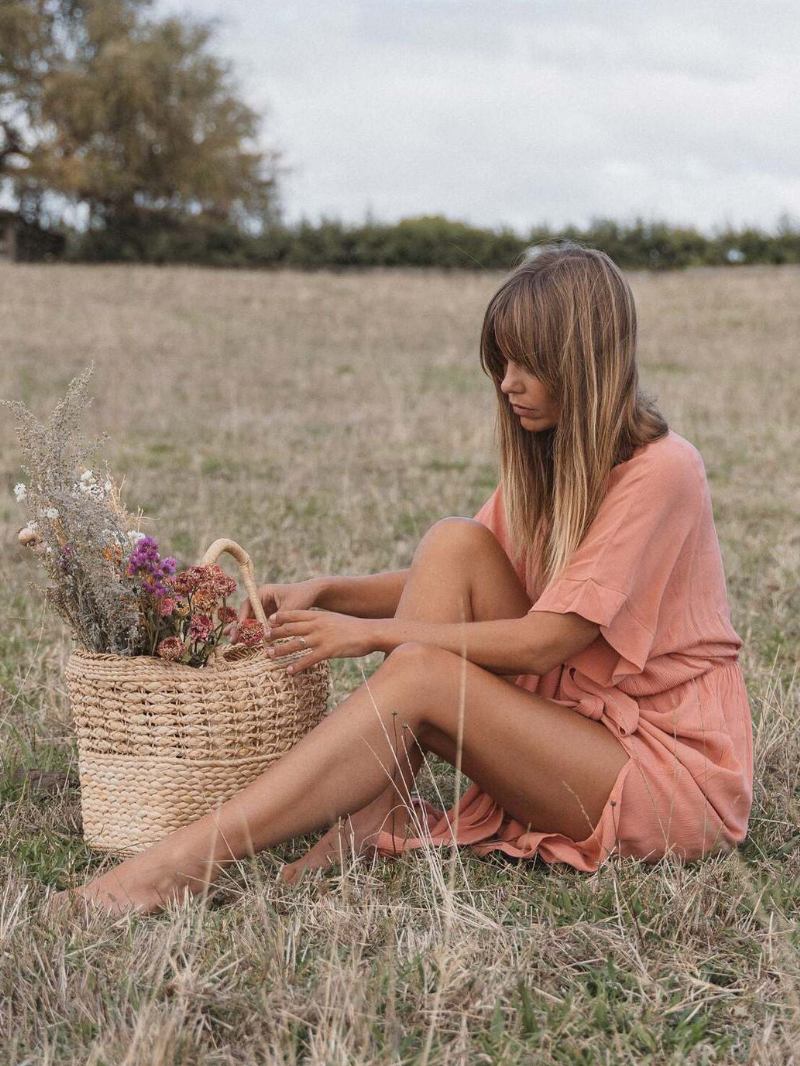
{"type": "Point", "coordinates": [663, 675]}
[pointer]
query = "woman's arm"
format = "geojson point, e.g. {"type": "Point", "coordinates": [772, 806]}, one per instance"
{"type": "Point", "coordinates": [533, 644]}
{"type": "Point", "coordinates": [373, 596]}
{"type": "Point", "coordinates": [370, 596]}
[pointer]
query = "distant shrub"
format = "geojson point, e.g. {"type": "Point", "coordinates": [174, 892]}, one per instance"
{"type": "Point", "coordinates": [423, 241]}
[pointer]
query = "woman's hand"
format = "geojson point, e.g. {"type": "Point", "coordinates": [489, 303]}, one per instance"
{"type": "Point", "coordinates": [293, 596]}
{"type": "Point", "coordinates": [326, 635]}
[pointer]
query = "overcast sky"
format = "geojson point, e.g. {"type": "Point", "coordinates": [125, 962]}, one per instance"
{"type": "Point", "coordinates": [524, 111]}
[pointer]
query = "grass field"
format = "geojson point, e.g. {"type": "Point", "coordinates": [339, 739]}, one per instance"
{"type": "Point", "coordinates": [325, 421]}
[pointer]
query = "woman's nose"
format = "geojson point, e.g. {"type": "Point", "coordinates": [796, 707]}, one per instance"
{"type": "Point", "coordinates": [507, 384]}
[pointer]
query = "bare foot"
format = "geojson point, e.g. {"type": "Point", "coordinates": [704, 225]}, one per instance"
{"type": "Point", "coordinates": [144, 883]}
{"type": "Point", "coordinates": [341, 841]}
{"type": "Point", "coordinates": [350, 836]}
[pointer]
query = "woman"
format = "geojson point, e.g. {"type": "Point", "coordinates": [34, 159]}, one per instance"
{"type": "Point", "coordinates": [570, 647]}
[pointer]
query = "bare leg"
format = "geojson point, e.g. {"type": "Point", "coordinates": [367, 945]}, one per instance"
{"type": "Point", "coordinates": [457, 575]}
{"type": "Point", "coordinates": [547, 765]}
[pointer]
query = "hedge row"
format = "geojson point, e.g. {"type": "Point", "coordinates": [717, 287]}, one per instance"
{"type": "Point", "coordinates": [427, 241]}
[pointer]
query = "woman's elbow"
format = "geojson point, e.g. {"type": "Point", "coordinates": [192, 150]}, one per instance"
{"type": "Point", "coordinates": [558, 637]}
{"type": "Point", "coordinates": [542, 663]}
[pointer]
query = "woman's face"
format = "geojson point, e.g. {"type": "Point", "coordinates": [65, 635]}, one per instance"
{"type": "Point", "coordinates": [529, 398]}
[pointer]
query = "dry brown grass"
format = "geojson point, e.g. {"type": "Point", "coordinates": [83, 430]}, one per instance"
{"type": "Point", "coordinates": [325, 421]}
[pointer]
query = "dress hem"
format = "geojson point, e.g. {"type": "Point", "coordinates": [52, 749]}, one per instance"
{"type": "Point", "coordinates": [480, 823]}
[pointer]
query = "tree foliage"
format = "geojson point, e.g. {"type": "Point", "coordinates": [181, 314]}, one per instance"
{"type": "Point", "coordinates": [130, 115]}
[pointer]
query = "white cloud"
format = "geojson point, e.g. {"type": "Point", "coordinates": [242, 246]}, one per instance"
{"type": "Point", "coordinates": [521, 112]}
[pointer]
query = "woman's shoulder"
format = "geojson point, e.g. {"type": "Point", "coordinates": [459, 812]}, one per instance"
{"type": "Point", "coordinates": [670, 461]}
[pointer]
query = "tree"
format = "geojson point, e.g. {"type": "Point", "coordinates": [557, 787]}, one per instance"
{"type": "Point", "coordinates": [129, 115]}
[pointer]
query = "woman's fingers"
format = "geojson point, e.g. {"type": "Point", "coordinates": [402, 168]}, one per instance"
{"type": "Point", "coordinates": [301, 663]}
{"type": "Point", "coordinates": [245, 611]}
{"type": "Point", "coordinates": [290, 629]}
{"type": "Point", "coordinates": [304, 662]}
{"type": "Point", "coordinates": [282, 622]}
{"type": "Point", "coordinates": [269, 596]}
{"type": "Point", "coordinates": [282, 615]}
{"type": "Point", "coordinates": [291, 645]}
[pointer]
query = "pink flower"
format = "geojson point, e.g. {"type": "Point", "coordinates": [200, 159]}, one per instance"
{"type": "Point", "coordinates": [204, 599]}
{"type": "Point", "coordinates": [188, 581]}
{"type": "Point", "coordinates": [200, 627]}
{"type": "Point", "coordinates": [227, 614]}
{"type": "Point", "coordinates": [171, 648]}
{"type": "Point", "coordinates": [219, 581]}
{"type": "Point", "coordinates": [211, 581]}
{"type": "Point", "coordinates": [251, 632]}
{"type": "Point", "coordinates": [166, 606]}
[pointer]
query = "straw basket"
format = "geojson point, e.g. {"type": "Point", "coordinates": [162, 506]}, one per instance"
{"type": "Point", "coordinates": [162, 743]}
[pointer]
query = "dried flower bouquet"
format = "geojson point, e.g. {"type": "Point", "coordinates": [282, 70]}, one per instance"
{"type": "Point", "coordinates": [109, 581]}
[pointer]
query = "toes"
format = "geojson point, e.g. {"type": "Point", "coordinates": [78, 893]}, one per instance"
{"type": "Point", "coordinates": [293, 871]}
{"type": "Point", "coordinates": [69, 904]}
{"type": "Point", "coordinates": [288, 874]}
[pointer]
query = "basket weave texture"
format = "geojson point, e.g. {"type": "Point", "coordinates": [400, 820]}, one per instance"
{"type": "Point", "coordinates": [161, 743]}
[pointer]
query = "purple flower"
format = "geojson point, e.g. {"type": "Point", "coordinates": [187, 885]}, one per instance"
{"type": "Point", "coordinates": [146, 564]}
{"type": "Point", "coordinates": [146, 551]}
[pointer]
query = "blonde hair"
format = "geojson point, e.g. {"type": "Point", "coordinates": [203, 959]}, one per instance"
{"type": "Point", "coordinates": [566, 315]}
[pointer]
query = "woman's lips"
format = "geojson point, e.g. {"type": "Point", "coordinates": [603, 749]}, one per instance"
{"type": "Point", "coordinates": [523, 410]}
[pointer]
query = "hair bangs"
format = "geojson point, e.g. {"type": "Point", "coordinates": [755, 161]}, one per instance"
{"type": "Point", "coordinates": [512, 333]}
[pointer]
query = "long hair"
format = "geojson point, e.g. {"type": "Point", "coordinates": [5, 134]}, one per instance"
{"type": "Point", "coordinates": [567, 316]}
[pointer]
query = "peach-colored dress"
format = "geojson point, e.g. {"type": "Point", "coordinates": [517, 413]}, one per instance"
{"type": "Point", "coordinates": [663, 676]}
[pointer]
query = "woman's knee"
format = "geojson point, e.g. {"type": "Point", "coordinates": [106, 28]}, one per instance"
{"type": "Point", "coordinates": [435, 678]}
{"type": "Point", "coordinates": [455, 533]}
{"type": "Point", "coordinates": [427, 667]}
{"type": "Point", "coordinates": [414, 656]}
{"type": "Point", "coordinates": [428, 671]}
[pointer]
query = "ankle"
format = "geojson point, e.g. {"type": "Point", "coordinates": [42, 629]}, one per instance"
{"type": "Point", "coordinates": [197, 859]}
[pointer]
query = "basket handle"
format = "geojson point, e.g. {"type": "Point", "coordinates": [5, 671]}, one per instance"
{"type": "Point", "coordinates": [246, 567]}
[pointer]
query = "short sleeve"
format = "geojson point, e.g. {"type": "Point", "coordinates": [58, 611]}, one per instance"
{"type": "Point", "coordinates": [618, 574]}
{"type": "Point", "coordinates": [491, 514]}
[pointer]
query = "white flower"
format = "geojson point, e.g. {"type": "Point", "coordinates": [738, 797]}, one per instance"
{"type": "Point", "coordinates": [20, 492]}
{"type": "Point", "coordinates": [49, 512]}
{"type": "Point", "coordinates": [134, 536]}
{"type": "Point", "coordinates": [33, 525]}
{"type": "Point", "coordinates": [89, 486]}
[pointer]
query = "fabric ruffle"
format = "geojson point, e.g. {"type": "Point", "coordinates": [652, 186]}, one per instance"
{"type": "Point", "coordinates": [609, 609]}
{"type": "Point", "coordinates": [477, 820]}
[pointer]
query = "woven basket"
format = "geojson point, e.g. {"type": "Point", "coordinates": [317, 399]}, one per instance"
{"type": "Point", "coordinates": [161, 743]}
